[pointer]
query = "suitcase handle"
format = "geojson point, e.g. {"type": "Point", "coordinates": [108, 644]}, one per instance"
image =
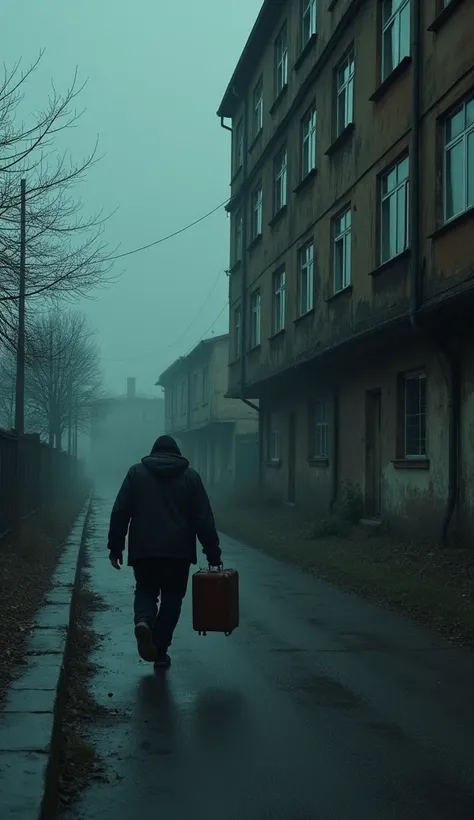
{"type": "Point", "coordinates": [216, 569]}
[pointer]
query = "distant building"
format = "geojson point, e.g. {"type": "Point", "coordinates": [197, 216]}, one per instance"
{"type": "Point", "coordinates": [123, 430]}
{"type": "Point", "coordinates": [217, 434]}
{"type": "Point", "coordinates": [352, 255]}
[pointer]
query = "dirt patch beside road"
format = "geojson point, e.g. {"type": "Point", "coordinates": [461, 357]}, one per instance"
{"type": "Point", "coordinates": [26, 571]}
{"type": "Point", "coordinates": [431, 585]}
{"type": "Point", "coordinates": [79, 760]}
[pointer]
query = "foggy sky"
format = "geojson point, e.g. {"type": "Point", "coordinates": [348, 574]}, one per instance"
{"type": "Point", "coordinates": [156, 72]}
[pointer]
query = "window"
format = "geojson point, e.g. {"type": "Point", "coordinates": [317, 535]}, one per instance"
{"type": "Point", "coordinates": [281, 60]}
{"type": "Point", "coordinates": [415, 416]}
{"type": "Point", "coordinates": [395, 34]}
{"type": "Point", "coordinates": [281, 180]}
{"type": "Point", "coordinates": [239, 145]}
{"type": "Point", "coordinates": [309, 20]}
{"type": "Point", "coordinates": [238, 237]}
{"type": "Point", "coordinates": [394, 225]}
{"type": "Point", "coordinates": [205, 384]}
{"type": "Point", "coordinates": [306, 284]}
{"type": "Point", "coordinates": [195, 390]}
{"type": "Point", "coordinates": [237, 332]}
{"type": "Point", "coordinates": [255, 320]}
{"type": "Point", "coordinates": [342, 251]}
{"type": "Point", "coordinates": [319, 431]}
{"type": "Point", "coordinates": [309, 143]}
{"type": "Point", "coordinates": [279, 301]}
{"type": "Point", "coordinates": [257, 212]}
{"type": "Point", "coordinates": [345, 93]}
{"type": "Point", "coordinates": [258, 107]}
{"type": "Point", "coordinates": [184, 404]}
{"type": "Point", "coordinates": [459, 161]}
{"type": "Point", "coordinates": [274, 439]}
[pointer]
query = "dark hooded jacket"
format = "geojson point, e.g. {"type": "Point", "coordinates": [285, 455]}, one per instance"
{"type": "Point", "coordinates": [163, 505]}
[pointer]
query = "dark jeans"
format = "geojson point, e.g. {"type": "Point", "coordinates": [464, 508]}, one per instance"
{"type": "Point", "coordinates": [165, 579]}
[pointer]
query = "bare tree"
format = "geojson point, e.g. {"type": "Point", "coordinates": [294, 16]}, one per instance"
{"type": "Point", "coordinates": [65, 252]}
{"type": "Point", "coordinates": [63, 376]}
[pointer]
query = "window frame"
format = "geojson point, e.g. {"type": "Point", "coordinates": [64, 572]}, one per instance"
{"type": "Point", "coordinates": [343, 237]}
{"type": "Point", "coordinates": [308, 7]}
{"type": "Point", "coordinates": [462, 138]}
{"type": "Point", "coordinates": [394, 20]}
{"type": "Point", "coordinates": [281, 60]}
{"type": "Point", "coordinates": [279, 301]}
{"type": "Point", "coordinates": [237, 332]}
{"type": "Point", "coordinates": [255, 314]}
{"type": "Point", "coordinates": [346, 88]}
{"type": "Point", "coordinates": [205, 395]}
{"type": "Point", "coordinates": [195, 390]}
{"type": "Point", "coordinates": [183, 399]}
{"type": "Point", "coordinates": [274, 437]}
{"type": "Point", "coordinates": [239, 145]}
{"type": "Point", "coordinates": [421, 377]}
{"type": "Point", "coordinates": [309, 136]}
{"type": "Point", "coordinates": [258, 108]}
{"type": "Point", "coordinates": [319, 431]}
{"type": "Point", "coordinates": [257, 212]}
{"type": "Point", "coordinates": [280, 180]}
{"type": "Point", "coordinates": [385, 197]}
{"type": "Point", "coordinates": [306, 264]}
{"type": "Point", "coordinates": [238, 237]}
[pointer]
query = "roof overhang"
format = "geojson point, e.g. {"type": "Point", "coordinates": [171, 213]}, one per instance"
{"type": "Point", "coordinates": [268, 15]}
{"type": "Point", "coordinates": [182, 363]}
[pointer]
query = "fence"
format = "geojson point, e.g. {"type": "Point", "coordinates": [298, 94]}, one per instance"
{"type": "Point", "coordinates": [47, 476]}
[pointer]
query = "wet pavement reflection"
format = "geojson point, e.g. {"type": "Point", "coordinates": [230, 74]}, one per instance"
{"type": "Point", "coordinates": [320, 707]}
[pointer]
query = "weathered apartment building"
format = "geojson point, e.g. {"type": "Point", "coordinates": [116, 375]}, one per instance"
{"type": "Point", "coordinates": [218, 435]}
{"type": "Point", "coordinates": [352, 254]}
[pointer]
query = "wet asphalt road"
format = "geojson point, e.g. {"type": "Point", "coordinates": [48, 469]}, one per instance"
{"type": "Point", "coordinates": [320, 707]}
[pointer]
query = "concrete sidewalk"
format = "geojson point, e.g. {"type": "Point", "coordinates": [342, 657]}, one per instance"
{"type": "Point", "coordinates": [321, 707]}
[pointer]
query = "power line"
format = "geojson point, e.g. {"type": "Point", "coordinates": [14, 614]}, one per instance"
{"type": "Point", "coordinates": [154, 353]}
{"type": "Point", "coordinates": [170, 235]}
{"type": "Point", "coordinates": [208, 329]}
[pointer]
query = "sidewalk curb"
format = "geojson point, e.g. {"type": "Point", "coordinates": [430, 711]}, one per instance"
{"type": "Point", "coordinates": [51, 781]}
{"type": "Point", "coordinates": [30, 723]}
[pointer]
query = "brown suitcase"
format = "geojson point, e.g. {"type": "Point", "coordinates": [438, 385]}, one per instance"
{"type": "Point", "coordinates": [215, 601]}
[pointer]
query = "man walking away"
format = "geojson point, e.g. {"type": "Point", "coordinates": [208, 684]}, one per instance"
{"type": "Point", "coordinates": [163, 505]}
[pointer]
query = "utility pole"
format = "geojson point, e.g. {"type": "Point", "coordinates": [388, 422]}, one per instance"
{"type": "Point", "coordinates": [20, 356]}
{"type": "Point", "coordinates": [20, 370]}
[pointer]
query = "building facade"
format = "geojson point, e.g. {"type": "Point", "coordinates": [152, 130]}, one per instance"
{"type": "Point", "coordinates": [218, 435]}
{"type": "Point", "coordinates": [352, 254]}
{"type": "Point", "coordinates": [123, 430]}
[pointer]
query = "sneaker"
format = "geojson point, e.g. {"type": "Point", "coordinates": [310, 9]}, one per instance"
{"type": "Point", "coordinates": [145, 645]}
{"type": "Point", "coordinates": [163, 662]}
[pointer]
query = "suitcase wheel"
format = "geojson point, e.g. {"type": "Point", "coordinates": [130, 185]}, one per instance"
{"type": "Point", "coordinates": [202, 633]}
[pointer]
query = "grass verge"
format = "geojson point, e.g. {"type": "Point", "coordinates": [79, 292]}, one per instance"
{"type": "Point", "coordinates": [79, 760]}
{"type": "Point", "coordinates": [26, 570]}
{"type": "Point", "coordinates": [433, 586]}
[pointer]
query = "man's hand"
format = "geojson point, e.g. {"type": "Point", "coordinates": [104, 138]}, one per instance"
{"type": "Point", "coordinates": [214, 560]}
{"type": "Point", "coordinates": [116, 561]}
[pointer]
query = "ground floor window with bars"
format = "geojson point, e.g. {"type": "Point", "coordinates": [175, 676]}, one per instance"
{"type": "Point", "coordinates": [319, 431]}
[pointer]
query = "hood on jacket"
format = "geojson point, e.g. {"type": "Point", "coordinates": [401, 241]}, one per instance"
{"type": "Point", "coordinates": [165, 465]}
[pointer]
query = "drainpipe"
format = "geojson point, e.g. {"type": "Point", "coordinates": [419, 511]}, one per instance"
{"type": "Point", "coordinates": [226, 127]}
{"type": "Point", "coordinates": [415, 164]}
{"type": "Point", "coordinates": [454, 408]}
{"type": "Point", "coordinates": [452, 358]}
{"type": "Point", "coordinates": [335, 451]}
